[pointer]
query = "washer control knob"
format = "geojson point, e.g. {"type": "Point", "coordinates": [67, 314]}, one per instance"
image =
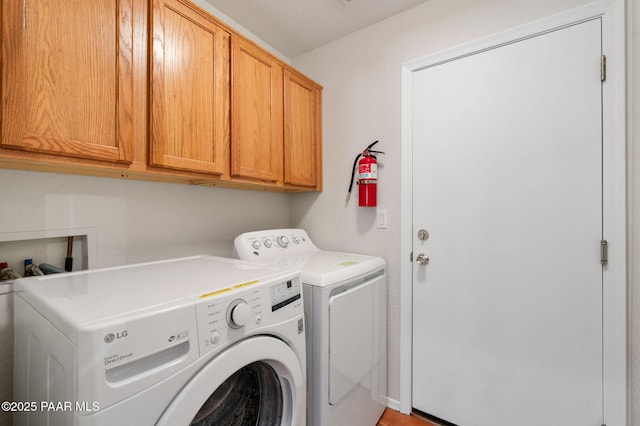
{"type": "Point", "coordinates": [282, 241]}
{"type": "Point", "coordinates": [238, 313]}
{"type": "Point", "coordinates": [296, 239]}
{"type": "Point", "coordinates": [215, 337]}
{"type": "Point", "coordinates": [256, 244]}
{"type": "Point", "coordinates": [267, 243]}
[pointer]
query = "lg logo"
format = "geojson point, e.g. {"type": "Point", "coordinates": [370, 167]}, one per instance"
{"type": "Point", "coordinates": [119, 335]}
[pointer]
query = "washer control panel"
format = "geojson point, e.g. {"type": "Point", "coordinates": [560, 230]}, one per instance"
{"type": "Point", "coordinates": [228, 314]}
{"type": "Point", "coordinates": [284, 293]}
{"type": "Point", "coordinates": [273, 244]}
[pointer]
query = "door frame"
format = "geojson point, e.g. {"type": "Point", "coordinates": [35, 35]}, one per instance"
{"type": "Point", "coordinates": [612, 13]}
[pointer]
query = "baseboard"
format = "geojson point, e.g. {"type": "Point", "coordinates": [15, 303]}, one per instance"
{"type": "Point", "coordinates": [394, 404]}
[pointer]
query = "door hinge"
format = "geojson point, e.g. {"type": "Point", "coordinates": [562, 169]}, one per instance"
{"type": "Point", "coordinates": [603, 68]}
{"type": "Point", "coordinates": [411, 257]}
{"type": "Point", "coordinates": [604, 252]}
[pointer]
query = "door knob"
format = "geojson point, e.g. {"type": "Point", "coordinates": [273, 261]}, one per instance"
{"type": "Point", "coordinates": [422, 259]}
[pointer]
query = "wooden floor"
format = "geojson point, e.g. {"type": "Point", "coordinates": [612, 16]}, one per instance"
{"type": "Point", "coordinates": [394, 418]}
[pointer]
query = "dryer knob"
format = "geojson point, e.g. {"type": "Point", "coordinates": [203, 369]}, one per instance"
{"type": "Point", "coordinates": [282, 241]}
{"type": "Point", "coordinates": [239, 314]}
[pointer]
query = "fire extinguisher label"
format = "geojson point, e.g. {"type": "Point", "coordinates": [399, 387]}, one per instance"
{"type": "Point", "coordinates": [368, 171]}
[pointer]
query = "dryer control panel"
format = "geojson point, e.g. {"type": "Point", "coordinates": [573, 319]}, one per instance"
{"type": "Point", "coordinates": [273, 244]}
{"type": "Point", "coordinates": [230, 314]}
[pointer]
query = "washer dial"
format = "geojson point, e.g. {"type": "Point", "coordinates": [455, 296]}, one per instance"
{"type": "Point", "coordinates": [238, 313]}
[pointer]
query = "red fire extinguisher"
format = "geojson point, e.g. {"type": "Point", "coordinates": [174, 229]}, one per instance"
{"type": "Point", "coordinates": [367, 177]}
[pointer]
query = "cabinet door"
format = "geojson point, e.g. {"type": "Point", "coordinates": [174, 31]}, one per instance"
{"type": "Point", "coordinates": [302, 132]}
{"type": "Point", "coordinates": [190, 90]}
{"type": "Point", "coordinates": [67, 78]}
{"type": "Point", "coordinates": [256, 115]}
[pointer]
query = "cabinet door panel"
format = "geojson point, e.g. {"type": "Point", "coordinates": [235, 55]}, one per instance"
{"type": "Point", "coordinates": [67, 78]}
{"type": "Point", "coordinates": [302, 132]}
{"type": "Point", "coordinates": [256, 117]}
{"type": "Point", "coordinates": [190, 98]}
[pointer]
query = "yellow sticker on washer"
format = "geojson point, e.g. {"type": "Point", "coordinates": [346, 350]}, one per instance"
{"type": "Point", "coordinates": [347, 263]}
{"type": "Point", "coordinates": [246, 284]}
{"type": "Point", "coordinates": [224, 290]}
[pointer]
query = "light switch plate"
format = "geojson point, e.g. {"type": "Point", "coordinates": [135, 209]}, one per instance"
{"type": "Point", "coordinates": [382, 219]}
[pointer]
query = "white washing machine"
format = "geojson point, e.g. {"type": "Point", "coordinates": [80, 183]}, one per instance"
{"type": "Point", "coordinates": [194, 341]}
{"type": "Point", "coordinates": [345, 303]}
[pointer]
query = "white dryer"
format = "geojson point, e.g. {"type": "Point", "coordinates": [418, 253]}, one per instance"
{"type": "Point", "coordinates": [193, 341]}
{"type": "Point", "coordinates": [345, 302]}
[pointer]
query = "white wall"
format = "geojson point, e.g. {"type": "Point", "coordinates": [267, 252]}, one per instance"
{"type": "Point", "coordinates": [361, 74]}
{"type": "Point", "coordinates": [135, 220]}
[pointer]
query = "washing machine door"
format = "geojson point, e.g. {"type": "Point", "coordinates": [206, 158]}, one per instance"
{"type": "Point", "coordinates": [258, 381]}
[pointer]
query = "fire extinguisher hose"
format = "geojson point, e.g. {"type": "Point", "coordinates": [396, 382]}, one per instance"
{"type": "Point", "coordinates": [353, 173]}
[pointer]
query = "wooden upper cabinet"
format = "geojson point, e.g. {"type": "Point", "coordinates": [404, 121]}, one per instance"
{"type": "Point", "coordinates": [256, 113]}
{"type": "Point", "coordinates": [302, 131]}
{"type": "Point", "coordinates": [156, 89]}
{"type": "Point", "coordinates": [189, 90]}
{"type": "Point", "coordinates": [67, 78]}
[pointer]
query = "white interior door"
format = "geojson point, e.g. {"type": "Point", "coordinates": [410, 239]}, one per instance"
{"type": "Point", "coordinates": [507, 180]}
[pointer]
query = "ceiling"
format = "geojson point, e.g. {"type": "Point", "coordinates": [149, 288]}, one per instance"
{"type": "Point", "coordinates": [294, 27]}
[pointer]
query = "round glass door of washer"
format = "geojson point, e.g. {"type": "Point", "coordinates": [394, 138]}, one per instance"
{"type": "Point", "coordinates": [251, 396]}
{"type": "Point", "coordinates": [259, 381]}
